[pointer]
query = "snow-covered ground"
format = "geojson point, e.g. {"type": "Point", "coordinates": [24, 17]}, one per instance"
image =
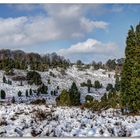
{"type": "Point", "coordinates": [63, 81]}
{"type": "Point", "coordinates": [29, 120]}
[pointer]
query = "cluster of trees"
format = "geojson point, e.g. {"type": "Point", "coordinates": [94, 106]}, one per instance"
{"type": "Point", "coordinates": [96, 85]}
{"type": "Point", "coordinates": [33, 77]}
{"type": "Point", "coordinates": [21, 60]}
{"type": "Point", "coordinates": [69, 98]}
{"type": "Point", "coordinates": [130, 78]}
{"type": "Point", "coordinates": [110, 100]}
{"type": "Point", "coordinates": [6, 81]}
{"type": "Point", "coordinates": [109, 65]}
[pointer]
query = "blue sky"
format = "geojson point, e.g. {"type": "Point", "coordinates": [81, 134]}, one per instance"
{"type": "Point", "coordinates": [76, 31]}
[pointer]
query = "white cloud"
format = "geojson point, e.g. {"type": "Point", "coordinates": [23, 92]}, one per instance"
{"type": "Point", "coordinates": [62, 22]}
{"type": "Point", "coordinates": [90, 46]}
{"type": "Point", "coordinates": [89, 25]}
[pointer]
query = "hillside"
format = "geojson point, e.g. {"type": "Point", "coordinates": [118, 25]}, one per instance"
{"type": "Point", "coordinates": [64, 81]}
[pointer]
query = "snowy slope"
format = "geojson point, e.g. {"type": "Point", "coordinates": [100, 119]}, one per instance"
{"type": "Point", "coordinates": [63, 81]}
{"type": "Point", "coordinates": [22, 120]}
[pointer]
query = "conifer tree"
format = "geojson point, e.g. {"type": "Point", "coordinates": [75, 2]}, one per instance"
{"type": "Point", "coordinates": [63, 99]}
{"type": "Point", "coordinates": [74, 95]}
{"type": "Point", "coordinates": [26, 93]}
{"type": "Point", "coordinates": [19, 94]}
{"type": "Point", "coordinates": [30, 92]}
{"type": "Point", "coordinates": [130, 78]}
{"type": "Point", "coordinates": [13, 100]}
{"type": "Point", "coordinates": [4, 79]}
{"type": "Point", "coordinates": [3, 94]}
{"type": "Point", "coordinates": [89, 85]}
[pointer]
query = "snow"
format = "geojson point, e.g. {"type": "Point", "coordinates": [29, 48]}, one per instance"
{"type": "Point", "coordinates": [21, 120]}
{"type": "Point", "coordinates": [63, 81]}
{"type": "Point", "coordinates": [24, 119]}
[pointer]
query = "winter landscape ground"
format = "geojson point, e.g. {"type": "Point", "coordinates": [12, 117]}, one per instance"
{"type": "Point", "coordinates": [24, 119]}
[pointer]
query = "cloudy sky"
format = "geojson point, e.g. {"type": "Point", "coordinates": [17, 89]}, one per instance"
{"type": "Point", "coordinates": [76, 31]}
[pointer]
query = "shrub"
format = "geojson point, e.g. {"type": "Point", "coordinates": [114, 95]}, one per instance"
{"type": "Point", "coordinates": [34, 77]}
{"type": "Point", "coordinates": [19, 94]}
{"type": "Point", "coordinates": [109, 87]}
{"type": "Point", "coordinates": [49, 82]}
{"type": "Point", "coordinates": [89, 85]}
{"type": "Point", "coordinates": [97, 84]}
{"type": "Point", "coordinates": [52, 74]}
{"type": "Point", "coordinates": [9, 82]}
{"type": "Point", "coordinates": [4, 79]}
{"type": "Point", "coordinates": [58, 88]}
{"type": "Point", "coordinates": [39, 101]}
{"type": "Point", "coordinates": [26, 93]}
{"type": "Point", "coordinates": [13, 100]}
{"type": "Point", "coordinates": [41, 115]}
{"type": "Point", "coordinates": [43, 89]}
{"type": "Point", "coordinates": [83, 84]}
{"type": "Point", "coordinates": [94, 105]}
{"type": "Point", "coordinates": [3, 94]}
{"type": "Point", "coordinates": [30, 91]}
{"type": "Point", "coordinates": [51, 92]}
{"type": "Point", "coordinates": [89, 98]}
{"type": "Point", "coordinates": [63, 99]}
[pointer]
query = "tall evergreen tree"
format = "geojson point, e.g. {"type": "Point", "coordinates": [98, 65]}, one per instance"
{"type": "Point", "coordinates": [74, 95]}
{"type": "Point", "coordinates": [130, 78]}
{"type": "Point", "coordinates": [89, 85]}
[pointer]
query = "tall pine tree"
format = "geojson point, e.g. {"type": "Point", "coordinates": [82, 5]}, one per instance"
{"type": "Point", "coordinates": [130, 78]}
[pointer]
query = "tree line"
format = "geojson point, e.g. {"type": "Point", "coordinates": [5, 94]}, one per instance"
{"type": "Point", "coordinates": [20, 60]}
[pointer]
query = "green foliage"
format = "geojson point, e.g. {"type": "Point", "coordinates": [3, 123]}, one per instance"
{"type": "Point", "coordinates": [117, 83]}
{"type": "Point", "coordinates": [43, 89]}
{"type": "Point", "coordinates": [83, 84]}
{"type": "Point", "coordinates": [79, 63]}
{"type": "Point", "coordinates": [63, 99]}
{"type": "Point", "coordinates": [52, 74]}
{"type": "Point", "coordinates": [109, 87]}
{"type": "Point", "coordinates": [89, 98]}
{"type": "Point", "coordinates": [57, 87]}
{"type": "Point", "coordinates": [97, 84]}
{"type": "Point", "coordinates": [13, 100]}
{"type": "Point", "coordinates": [21, 60]}
{"type": "Point", "coordinates": [89, 85]}
{"type": "Point", "coordinates": [4, 79]}
{"type": "Point", "coordinates": [21, 84]}
{"type": "Point", "coordinates": [68, 98]}
{"type": "Point", "coordinates": [49, 82]}
{"type": "Point", "coordinates": [112, 101]}
{"type": "Point", "coordinates": [97, 65]}
{"type": "Point", "coordinates": [9, 82]}
{"type": "Point", "coordinates": [19, 94]}
{"type": "Point", "coordinates": [130, 77]}
{"type": "Point", "coordinates": [31, 92]}
{"type": "Point", "coordinates": [94, 105]}
{"type": "Point", "coordinates": [26, 93]}
{"type": "Point", "coordinates": [3, 94]}
{"type": "Point", "coordinates": [39, 101]}
{"type": "Point", "coordinates": [111, 64]}
{"type": "Point", "coordinates": [74, 95]}
{"type": "Point", "coordinates": [52, 93]}
{"type": "Point", "coordinates": [34, 77]}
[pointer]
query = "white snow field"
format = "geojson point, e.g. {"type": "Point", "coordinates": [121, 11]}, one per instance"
{"type": "Point", "coordinates": [24, 119]}
{"type": "Point", "coordinates": [63, 81]}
